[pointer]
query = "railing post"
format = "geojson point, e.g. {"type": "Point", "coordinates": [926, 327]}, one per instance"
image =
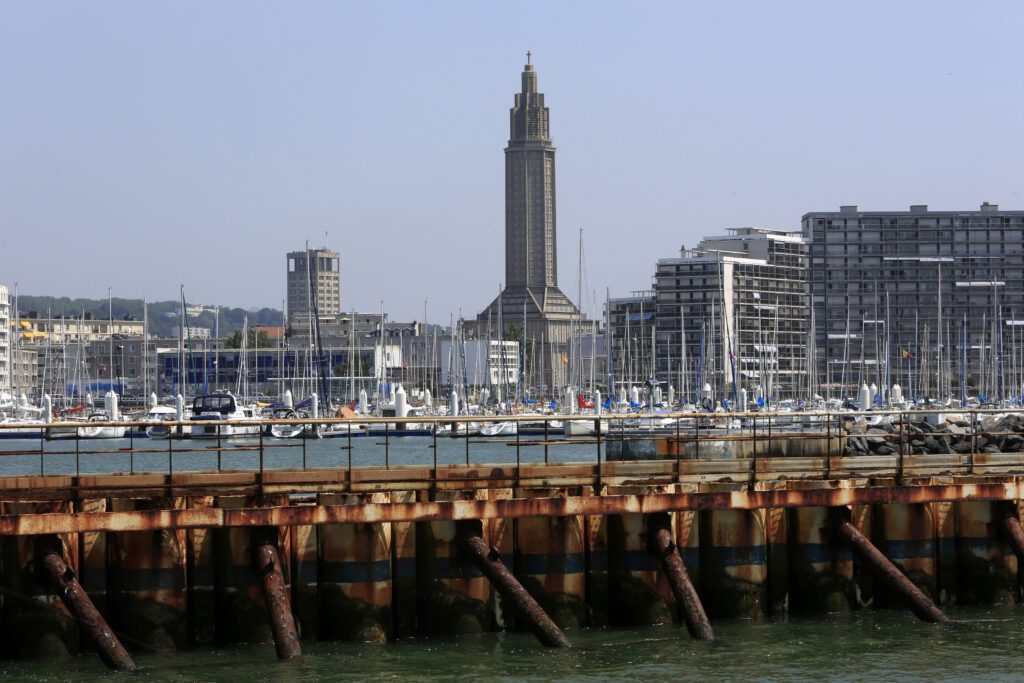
{"type": "Point", "coordinates": [261, 448]}
{"type": "Point", "coordinates": [900, 455]}
{"type": "Point", "coordinates": [218, 448]}
{"type": "Point", "coordinates": [696, 435]}
{"type": "Point", "coordinates": [517, 451]}
{"type": "Point", "coordinates": [170, 450]}
{"type": "Point", "coordinates": [387, 438]}
{"type": "Point", "coordinates": [597, 432]}
{"type": "Point", "coordinates": [349, 454]}
{"type": "Point", "coordinates": [974, 438]}
{"type": "Point", "coordinates": [828, 445]}
{"type": "Point", "coordinates": [547, 423]}
{"type": "Point", "coordinates": [305, 435]}
{"type": "Point", "coordinates": [678, 447]}
{"type": "Point", "coordinates": [753, 466]}
{"type": "Point", "coordinates": [902, 435]}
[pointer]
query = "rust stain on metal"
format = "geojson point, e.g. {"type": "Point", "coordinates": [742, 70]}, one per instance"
{"type": "Point", "coordinates": [490, 565]}
{"type": "Point", "coordinates": [883, 568]}
{"type": "Point", "coordinates": [696, 618]}
{"type": "Point", "coordinates": [74, 597]}
{"type": "Point", "coordinates": [275, 592]}
{"type": "Point", "coordinates": [1014, 534]}
{"type": "Point", "coordinates": [454, 510]}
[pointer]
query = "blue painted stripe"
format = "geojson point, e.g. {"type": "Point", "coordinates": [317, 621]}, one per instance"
{"type": "Point", "coordinates": [822, 553]}
{"type": "Point", "coordinates": [355, 572]}
{"type": "Point", "coordinates": [908, 549]}
{"type": "Point", "coordinates": [947, 546]}
{"type": "Point", "coordinates": [405, 568]}
{"type": "Point", "coordinates": [981, 545]}
{"type": "Point", "coordinates": [638, 561]}
{"type": "Point", "coordinates": [571, 563]}
{"type": "Point", "coordinates": [738, 556]}
{"type": "Point", "coordinates": [454, 568]}
{"type": "Point", "coordinates": [308, 572]}
{"type": "Point", "coordinates": [94, 580]}
{"type": "Point", "coordinates": [598, 561]}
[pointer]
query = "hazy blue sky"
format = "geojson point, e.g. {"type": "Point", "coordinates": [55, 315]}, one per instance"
{"type": "Point", "coordinates": [145, 145]}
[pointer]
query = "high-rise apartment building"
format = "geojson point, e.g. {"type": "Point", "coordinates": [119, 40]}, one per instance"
{"type": "Point", "coordinates": [895, 294]}
{"type": "Point", "coordinates": [631, 323]}
{"type": "Point", "coordinates": [731, 313]}
{"type": "Point", "coordinates": [531, 290]}
{"type": "Point", "coordinates": [316, 272]}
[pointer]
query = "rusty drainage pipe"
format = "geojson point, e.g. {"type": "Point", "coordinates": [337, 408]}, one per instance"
{"type": "Point", "coordinates": [696, 618]}
{"type": "Point", "coordinates": [490, 565]}
{"type": "Point", "coordinates": [889, 574]}
{"type": "Point", "coordinates": [282, 623]}
{"type": "Point", "coordinates": [63, 581]}
{"type": "Point", "coordinates": [1014, 534]}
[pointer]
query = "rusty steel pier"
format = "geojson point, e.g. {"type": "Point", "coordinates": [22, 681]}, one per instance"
{"type": "Point", "coordinates": [807, 512]}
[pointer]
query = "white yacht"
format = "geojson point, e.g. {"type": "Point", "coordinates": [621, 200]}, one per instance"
{"type": "Point", "coordinates": [100, 431]}
{"type": "Point", "coordinates": [210, 410]}
{"type": "Point", "coordinates": [158, 415]}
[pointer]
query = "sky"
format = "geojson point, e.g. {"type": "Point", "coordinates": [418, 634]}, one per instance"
{"type": "Point", "coordinates": [145, 146]}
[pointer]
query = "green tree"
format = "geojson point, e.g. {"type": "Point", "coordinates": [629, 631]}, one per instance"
{"type": "Point", "coordinates": [235, 340]}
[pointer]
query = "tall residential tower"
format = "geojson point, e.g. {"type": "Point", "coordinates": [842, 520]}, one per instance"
{"type": "Point", "coordinates": [316, 271]}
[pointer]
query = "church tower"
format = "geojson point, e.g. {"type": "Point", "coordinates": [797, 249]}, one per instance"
{"type": "Point", "coordinates": [530, 191]}
{"type": "Point", "coordinates": [531, 269]}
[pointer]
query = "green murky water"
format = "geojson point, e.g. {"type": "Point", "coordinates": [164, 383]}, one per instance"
{"type": "Point", "coordinates": [985, 644]}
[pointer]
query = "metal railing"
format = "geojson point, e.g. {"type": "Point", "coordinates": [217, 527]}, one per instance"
{"type": "Point", "coordinates": [748, 448]}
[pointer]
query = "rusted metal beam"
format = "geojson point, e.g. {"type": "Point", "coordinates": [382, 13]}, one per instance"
{"type": "Point", "coordinates": [490, 565]}
{"type": "Point", "coordinates": [455, 510]}
{"type": "Point", "coordinates": [275, 592]}
{"type": "Point", "coordinates": [1014, 533]}
{"type": "Point", "coordinates": [64, 583]}
{"type": "Point", "coordinates": [883, 569]}
{"type": "Point", "coordinates": [694, 616]}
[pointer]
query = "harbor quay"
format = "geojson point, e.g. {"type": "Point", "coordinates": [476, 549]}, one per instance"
{"type": "Point", "coordinates": [433, 536]}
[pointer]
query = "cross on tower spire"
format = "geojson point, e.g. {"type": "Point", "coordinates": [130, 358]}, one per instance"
{"type": "Point", "coordinates": [528, 54]}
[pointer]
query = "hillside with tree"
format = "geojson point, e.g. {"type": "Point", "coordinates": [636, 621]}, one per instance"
{"type": "Point", "coordinates": [164, 316]}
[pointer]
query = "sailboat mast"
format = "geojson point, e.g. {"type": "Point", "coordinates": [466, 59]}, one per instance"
{"type": "Point", "coordinates": [110, 322]}
{"type": "Point", "coordinates": [938, 336]}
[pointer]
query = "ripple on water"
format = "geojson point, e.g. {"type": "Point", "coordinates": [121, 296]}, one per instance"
{"type": "Point", "coordinates": [885, 645]}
